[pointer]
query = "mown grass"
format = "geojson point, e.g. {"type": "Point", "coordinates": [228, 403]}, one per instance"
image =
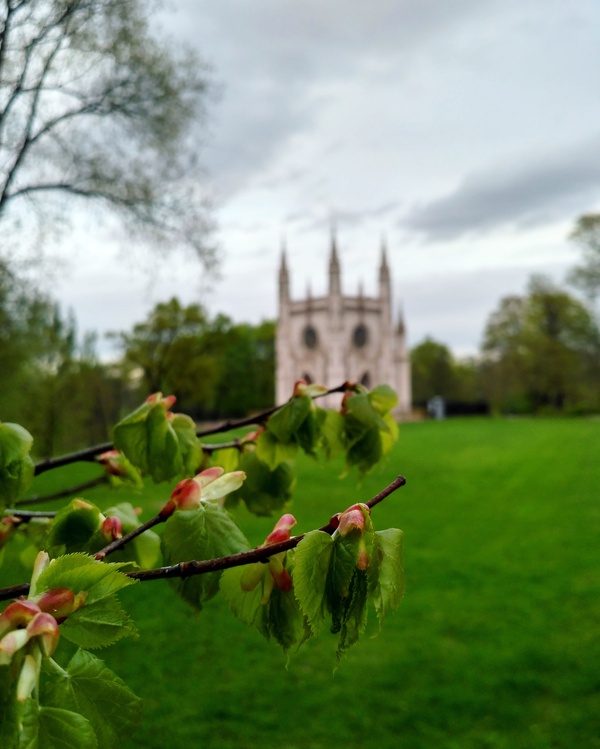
{"type": "Point", "coordinates": [494, 646]}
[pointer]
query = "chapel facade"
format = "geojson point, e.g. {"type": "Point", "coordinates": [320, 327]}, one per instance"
{"type": "Point", "coordinates": [337, 338]}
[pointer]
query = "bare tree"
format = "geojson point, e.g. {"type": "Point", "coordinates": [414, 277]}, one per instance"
{"type": "Point", "coordinates": [94, 107]}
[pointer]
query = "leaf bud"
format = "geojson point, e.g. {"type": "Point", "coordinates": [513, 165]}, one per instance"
{"type": "Point", "coordinates": [17, 615]}
{"type": "Point", "coordinates": [40, 564]}
{"type": "Point", "coordinates": [281, 531]}
{"type": "Point", "coordinates": [186, 495]}
{"type": "Point", "coordinates": [111, 528]}
{"type": "Point", "coordinates": [353, 519]}
{"type": "Point", "coordinates": [45, 628]}
{"type": "Point", "coordinates": [60, 602]}
{"type": "Point", "coordinates": [29, 676]}
{"type": "Point", "coordinates": [11, 643]}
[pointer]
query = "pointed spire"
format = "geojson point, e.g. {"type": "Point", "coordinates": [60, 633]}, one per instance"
{"type": "Point", "coordinates": [385, 284]}
{"type": "Point", "coordinates": [384, 268]}
{"type": "Point", "coordinates": [334, 265]}
{"type": "Point", "coordinates": [284, 276]}
{"type": "Point", "coordinates": [401, 327]}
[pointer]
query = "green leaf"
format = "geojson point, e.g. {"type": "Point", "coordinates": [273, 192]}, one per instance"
{"type": "Point", "coordinates": [264, 491]}
{"type": "Point", "coordinates": [80, 572]}
{"type": "Point", "coordinates": [279, 618]}
{"type": "Point", "coordinates": [16, 466]}
{"type": "Point", "coordinates": [98, 624]}
{"type": "Point", "coordinates": [383, 398]}
{"type": "Point", "coordinates": [332, 432]}
{"type": "Point", "coordinates": [386, 572]}
{"type": "Point", "coordinates": [311, 568]}
{"type": "Point", "coordinates": [272, 451]}
{"type": "Point", "coordinates": [189, 444]}
{"type": "Point", "coordinates": [88, 687]}
{"type": "Point", "coordinates": [207, 532]}
{"type": "Point", "coordinates": [150, 442]}
{"type": "Point", "coordinates": [73, 527]}
{"type": "Point", "coordinates": [101, 621]}
{"type": "Point", "coordinates": [349, 616]}
{"type": "Point", "coordinates": [55, 728]}
{"type": "Point", "coordinates": [366, 451]}
{"type": "Point", "coordinates": [308, 433]}
{"type": "Point", "coordinates": [286, 421]}
{"type": "Point", "coordinates": [9, 717]}
{"type": "Point", "coordinates": [227, 458]}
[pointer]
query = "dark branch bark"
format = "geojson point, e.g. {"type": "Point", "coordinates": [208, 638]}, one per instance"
{"type": "Point", "coordinates": [195, 567]}
{"type": "Point", "coordinates": [40, 499]}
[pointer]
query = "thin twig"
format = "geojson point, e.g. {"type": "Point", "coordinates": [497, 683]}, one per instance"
{"type": "Point", "coordinates": [187, 569]}
{"type": "Point", "coordinates": [227, 426]}
{"type": "Point", "coordinates": [63, 493]}
{"type": "Point", "coordinates": [259, 554]}
{"type": "Point", "coordinates": [27, 515]}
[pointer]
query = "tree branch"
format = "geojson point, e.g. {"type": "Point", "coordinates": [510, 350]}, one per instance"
{"type": "Point", "coordinates": [196, 567]}
{"type": "Point", "coordinates": [227, 426]}
{"type": "Point", "coordinates": [40, 499]}
{"type": "Point", "coordinates": [90, 453]}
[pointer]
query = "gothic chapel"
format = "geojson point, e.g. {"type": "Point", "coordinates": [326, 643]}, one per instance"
{"type": "Point", "coordinates": [332, 339]}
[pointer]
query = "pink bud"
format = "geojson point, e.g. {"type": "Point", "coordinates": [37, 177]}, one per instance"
{"type": "Point", "coordinates": [41, 563]}
{"type": "Point", "coordinates": [45, 627]}
{"type": "Point", "coordinates": [17, 615]}
{"type": "Point", "coordinates": [61, 602]}
{"type": "Point", "coordinates": [6, 527]}
{"type": "Point", "coordinates": [165, 402]}
{"type": "Point", "coordinates": [12, 642]}
{"type": "Point", "coordinates": [186, 495]}
{"type": "Point", "coordinates": [300, 387]}
{"type": "Point", "coordinates": [112, 528]}
{"type": "Point", "coordinates": [281, 531]}
{"type": "Point", "coordinates": [353, 519]}
{"type": "Point", "coordinates": [280, 574]}
{"type": "Point", "coordinates": [209, 475]}
{"type": "Point", "coordinates": [112, 461]}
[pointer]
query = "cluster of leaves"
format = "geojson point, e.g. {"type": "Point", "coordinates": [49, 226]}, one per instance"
{"type": "Point", "coordinates": [286, 588]}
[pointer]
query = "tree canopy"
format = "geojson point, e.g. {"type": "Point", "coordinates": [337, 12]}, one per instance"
{"type": "Point", "coordinates": [586, 276]}
{"type": "Point", "coordinates": [541, 350]}
{"type": "Point", "coordinates": [93, 106]}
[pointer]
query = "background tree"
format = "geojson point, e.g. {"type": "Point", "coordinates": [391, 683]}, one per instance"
{"type": "Point", "coordinates": [586, 276]}
{"type": "Point", "coordinates": [541, 350]}
{"type": "Point", "coordinates": [433, 373]}
{"type": "Point", "coordinates": [179, 350]}
{"type": "Point", "coordinates": [92, 106]}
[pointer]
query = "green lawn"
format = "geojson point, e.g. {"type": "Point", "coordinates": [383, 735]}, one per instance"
{"type": "Point", "coordinates": [496, 644]}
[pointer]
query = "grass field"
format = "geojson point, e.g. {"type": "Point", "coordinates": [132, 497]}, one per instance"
{"type": "Point", "coordinates": [496, 644]}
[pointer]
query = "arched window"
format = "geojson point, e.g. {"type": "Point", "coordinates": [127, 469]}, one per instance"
{"type": "Point", "coordinates": [360, 337]}
{"type": "Point", "coordinates": [309, 336]}
{"type": "Point", "coordinates": [366, 380]}
{"type": "Point", "coordinates": [307, 378]}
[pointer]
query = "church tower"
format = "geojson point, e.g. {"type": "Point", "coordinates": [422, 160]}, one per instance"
{"type": "Point", "coordinates": [336, 338]}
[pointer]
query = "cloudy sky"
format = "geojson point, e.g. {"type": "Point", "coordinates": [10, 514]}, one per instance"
{"type": "Point", "coordinates": [465, 132]}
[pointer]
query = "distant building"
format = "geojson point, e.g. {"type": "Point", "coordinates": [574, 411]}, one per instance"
{"type": "Point", "coordinates": [335, 338]}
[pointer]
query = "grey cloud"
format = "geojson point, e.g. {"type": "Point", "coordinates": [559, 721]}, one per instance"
{"type": "Point", "coordinates": [269, 57]}
{"type": "Point", "coordinates": [454, 308]}
{"type": "Point", "coordinates": [549, 187]}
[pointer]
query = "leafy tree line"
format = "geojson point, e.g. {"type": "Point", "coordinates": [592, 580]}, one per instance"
{"type": "Point", "coordinates": [56, 385]}
{"type": "Point", "coordinates": [540, 352]}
